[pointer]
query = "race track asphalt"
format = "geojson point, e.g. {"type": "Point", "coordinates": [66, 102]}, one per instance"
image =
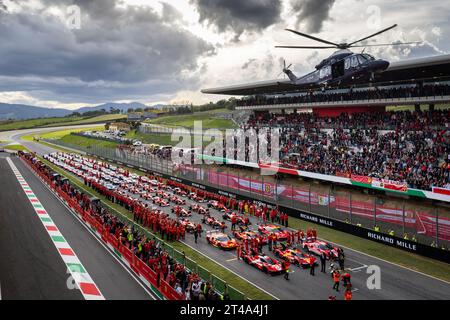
{"type": "Point", "coordinates": [396, 282]}
{"type": "Point", "coordinates": [30, 267]}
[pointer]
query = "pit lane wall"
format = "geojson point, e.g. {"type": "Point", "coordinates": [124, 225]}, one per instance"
{"type": "Point", "coordinates": [163, 290]}
{"type": "Point", "coordinates": [399, 243]}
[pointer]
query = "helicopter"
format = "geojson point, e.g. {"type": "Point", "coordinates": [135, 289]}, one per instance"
{"type": "Point", "coordinates": [343, 67]}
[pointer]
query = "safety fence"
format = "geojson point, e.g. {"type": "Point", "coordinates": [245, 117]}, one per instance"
{"type": "Point", "coordinates": [415, 220]}
{"type": "Point", "coordinates": [158, 286]}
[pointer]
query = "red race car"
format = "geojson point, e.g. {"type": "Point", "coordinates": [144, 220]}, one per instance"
{"type": "Point", "coordinates": [268, 229]}
{"type": "Point", "coordinates": [193, 196]}
{"type": "Point", "coordinates": [241, 220]}
{"type": "Point", "coordinates": [179, 211]}
{"type": "Point", "coordinates": [162, 194]}
{"type": "Point", "coordinates": [213, 222]}
{"type": "Point", "coordinates": [180, 192]}
{"type": "Point", "coordinates": [220, 240]}
{"type": "Point", "coordinates": [217, 205]}
{"type": "Point", "coordinates": [295, 256]}
{"type": "Point", "coordinates": [199, 209]}
{"type": "Point", "coordinates": [147, 196]}
{"type": "Point", "coordinates": [177, 200]}
{"type": "Point", "coordinates": [188, 225]}
{"type": "Point", "coordinates": [248, 235]}
{"type": "Point", "coordinates": [160, 202]}
{"type": "Point", "coordinates": [318, 247]}
{"type": "Point", "coordinates": [264, 263]}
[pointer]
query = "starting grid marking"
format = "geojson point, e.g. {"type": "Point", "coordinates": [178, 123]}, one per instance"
{"type": "Point", "coordinates": [79, 274]}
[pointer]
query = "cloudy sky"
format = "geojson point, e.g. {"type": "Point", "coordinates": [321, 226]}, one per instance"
{"type": "Point", "coordinates": [72, 53]}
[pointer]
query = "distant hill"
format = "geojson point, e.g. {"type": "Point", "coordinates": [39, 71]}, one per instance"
{"type": "Point", "coordinates": [21, 111]}
{"type": "Point", "coordinates": [123, 107]}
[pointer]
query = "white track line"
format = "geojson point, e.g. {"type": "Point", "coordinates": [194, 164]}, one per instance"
{"type": "Point", "coordinates": [99, 241]}
{"type": "Point", "coordinates": [80, 275]}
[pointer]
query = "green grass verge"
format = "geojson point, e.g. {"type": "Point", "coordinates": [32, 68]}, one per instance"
{"type": "Point", "coordinates": [412, 261]}
{"type": "Point", "coordinates": [56, 121]}
{"type": "Point", "coordinates": [105, 117]}
{"type": "Point", "coordinates": [15, 147]}
{"type": "Point", "coordinates": [87, 142]}
{"type": "Point", "coordinates": [245, 287]}
{"type": "Point", "coordinates": [161, 139]}
{"type": "Point", "coordinates": [208, 118]}
{"type": "Point", "coordinates": [34, 123]}
{"type": "Point", "coordinates": [59, 133]}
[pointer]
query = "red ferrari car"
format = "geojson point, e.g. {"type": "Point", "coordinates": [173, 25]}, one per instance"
{"type": "Point", "coordinates": [160, 202]}
{"type": "Point", "coordinates": [180, 192]}
{"type": "Point", "coordinates": [179, 211]}
{"type": "Point", "coordinates": [295, 256]}
{"type": "Point", "coordinates": [264, 263]}
{"type": "Point", "coordinates": [188, 225]}
{"type": "Point", "coordinates": [241, 220]}
{"type": "Point", "coordinates": [213, 222]}
{"type": "Point", "coordinates": [220, 240]}
{"type": "Point", "coordinates": [268, 229]}
{"type": "Point", "coordinates": [199, 209]}
{"type": "Point", "coordinates": [318, 247]}
{"type": "Point", "coordinates": [193, 196]}
{"type": "Point", "coordinates": [147, 196]}
{"type": "Point", "coordinates": [248, 235]}
{"type": "Point", "coordinates": [162, 194]}
{"type": "Point", "coordinates": [177, 200]}
{"type": "Point", "coordinates": [217, 205]}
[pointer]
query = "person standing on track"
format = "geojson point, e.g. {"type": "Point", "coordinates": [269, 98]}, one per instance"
{"type": "Point", "coordinates": [348, 295]}
{"type": "Point", "coordinates": [312, 266]}
{"type": "Point", "coordinates": [336, 278]}
{"type": "Point", "coordinates": [195, 234]}
{"type": "Point", "coordinates": [286, 266]}
{"type": "Point", "coordinates": [238, 250]}
{"type": "Point", "coordinates": [323, 262]}
{"type": "Point", "coordinates": [341, 258]}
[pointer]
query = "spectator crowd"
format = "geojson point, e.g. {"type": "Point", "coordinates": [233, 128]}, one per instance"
{"type": "Point", "coordinates": [411, 147]}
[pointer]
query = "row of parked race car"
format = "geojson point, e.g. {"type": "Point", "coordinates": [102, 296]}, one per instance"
{"type": "Point", "coordinates": [162, 195]}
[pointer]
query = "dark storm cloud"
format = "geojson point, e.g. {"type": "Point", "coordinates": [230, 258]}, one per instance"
{"type": "Point", "coordinates": [3, 6]}
{"type": "Point", "coordinates": [131, 51]}
{"type": "Point", "coordinates": [239, 15]}
{"type": "Point", "coordinates": [312, 13]}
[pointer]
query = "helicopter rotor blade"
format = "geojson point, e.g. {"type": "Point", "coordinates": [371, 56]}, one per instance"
{"type": "Point", "coordinates": [373, 35]}
{"type": "Point", "coordinates": [304, 47]}
{"type": "Point", "coordinates": [311, 37]}
{"type": "Point", "coordinates": [386, 44]}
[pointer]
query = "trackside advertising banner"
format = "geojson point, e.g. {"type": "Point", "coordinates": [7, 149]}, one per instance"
{"type": "Point", "coordinates": [441, 194]}
{"type": "Point", "coordinates": [423, 222]}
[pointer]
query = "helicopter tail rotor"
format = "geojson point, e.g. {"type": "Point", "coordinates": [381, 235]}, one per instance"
{"type": "Point", "coordinates": [285, 69]}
